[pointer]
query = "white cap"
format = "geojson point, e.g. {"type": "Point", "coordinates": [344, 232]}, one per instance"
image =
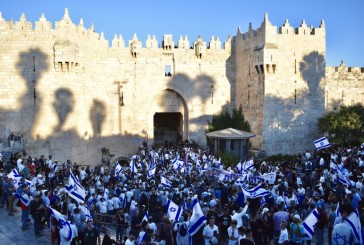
{"type": "Point", "coordinates": [296, 216]}
{"type": "Point", "coordinates": [213, 203]}
{"type": "Point", "coordinates": [265, 210]}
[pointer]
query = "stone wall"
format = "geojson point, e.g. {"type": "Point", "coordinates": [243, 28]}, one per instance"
{"type": "Point", "coordinates": [71, 94]}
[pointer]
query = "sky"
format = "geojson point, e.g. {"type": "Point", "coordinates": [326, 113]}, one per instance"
{"type": "Point", "coordinates": [343, 19]}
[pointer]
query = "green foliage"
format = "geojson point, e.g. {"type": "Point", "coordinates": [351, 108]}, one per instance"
{"type": "Point", "coordinates": [225, 119]}
{"type": "Point", "coordinates": [281, 158]}
{"type": "Point", "coordinates": [227, 159]}
{"type": "Point", "coordinates": [345, 126]}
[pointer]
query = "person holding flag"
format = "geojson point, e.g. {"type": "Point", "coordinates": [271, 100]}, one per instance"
{"type": "Point", "coordinates": [342, 233]}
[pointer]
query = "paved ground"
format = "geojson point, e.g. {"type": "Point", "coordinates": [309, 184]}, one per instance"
{"type": "Point", "coordinates": [11, 232]}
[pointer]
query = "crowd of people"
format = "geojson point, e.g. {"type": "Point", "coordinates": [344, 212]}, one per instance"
{"type": "Point", "coordinates": [133, 200]}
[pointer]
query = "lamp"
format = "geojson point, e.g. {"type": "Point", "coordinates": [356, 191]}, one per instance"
{"type": "Point", "coordinates": [121, 99]}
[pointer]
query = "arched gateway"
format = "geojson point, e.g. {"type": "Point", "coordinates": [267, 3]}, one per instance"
{"type": "Point", "coordinates": [168, 117]}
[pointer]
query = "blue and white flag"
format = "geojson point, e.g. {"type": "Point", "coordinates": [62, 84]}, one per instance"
{"type": "Point", "coordinates": [197, 219]}
{"type": "Point", "coordinates": [322, 143]}
{"type": "Point", "coordinates": [138, 140]}
{"type": "Point", "coordinates": [63, 223]}
{"type": "Point", "coordinates": [248, 165]}
{"type": "Point", "coordinates": [173, 210]}
{"type": "Point", "coordinates": [255, 192]}
{"type": "Point", "coordinates": [118, 169]}
{"type": "Point", "coordinates": [239, 168]}
{"type": "Point", "coordinates": [132, 165]}
{"type": "Point", "coordinates": [151, 171]}
{"type": "Point", "coordinates": [341, 177]}
{"type": "Point", "coordinates": [166, 182]}
{"type": "Point", "coordinates": [270, 177]}
{"type": "Point", "coordinates": [262, 202]}
{"type": "Point", "coordinates": [54, 167]}
{"type": "Point", "coordinates": [16, 178]}
{"type": "Point", "coordinates": [353, 220]}
{"type": "Point", "coordinates": [337, 212]}
{"type": "Point", "coordinates": [75, 189]}
{"type": "Point", "coordinates": [309, 224]}
{"type": "Point", "coordinates": [223, 175]}
{"type": "Point", "coordinates": [146, 216]}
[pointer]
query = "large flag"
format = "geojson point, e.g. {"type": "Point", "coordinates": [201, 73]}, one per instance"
{"type": "Point", "coordinates": [248, 165]}
{"type": "Point", "coordinates": [337, 212]}
{"type": "Point", "coordinates": [354, 222]}
{"type": "Point", "coordinates": [173, 210]}
{"type": "Point", "coordinates": [166, 182]}
{"type": "Point", "coordinates": [75, 189]}
{"type": "Point", "coordinates": [239, 167]}
{"type": "Point", "coordinates": [255, 192]}
{"type": "Point", "coordinates": [309, 224]}
{"type": "Point", "coordinates": [24, 198]}
{"type": "Point", "coordinates": [322, 143]}
{"type": "Point", "coordinates": [151, 171]}
{"type": "Point", "coordinates": [197, 219]}
{"type": "Point", "coordinates": [16, 178]}
{"type": "Point", "coordinates": [270, 177]}
{"type": "Point", "coordinates": [223, 175]}
{"type": "Point", "coordinates": [63, 223]}
{"type": "Point", "coordinates": [341, 177]}
{"type": "Point", "coordinates": [118, 169]}
{"type": "Point", "coordinates": [132, 165]}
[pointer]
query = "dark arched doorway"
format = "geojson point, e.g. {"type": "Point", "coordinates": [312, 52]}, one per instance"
{"type": "Point", "coordinates": [168, 127]}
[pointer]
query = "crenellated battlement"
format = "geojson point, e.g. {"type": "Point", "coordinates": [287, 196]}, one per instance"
{"type": "Point", "coordinates": [343, 69]}
{"type": "Point", "coordinates": [266, 29]}
{"type": "Point", "coordinates": [66, 25]}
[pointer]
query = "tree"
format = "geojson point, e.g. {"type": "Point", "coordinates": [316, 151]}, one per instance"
{"type": "Point", "coordinates": [226, 119]}
{"type": "Point", "coordinates": [345, 126]}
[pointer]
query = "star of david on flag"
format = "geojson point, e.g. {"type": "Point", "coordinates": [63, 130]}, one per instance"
{"type": "Point", "coordinates": [321, 143]}
{"type": "Point", "coordinates": [173, 210]}
{"type": "Point", "coordinates": [75, 189]}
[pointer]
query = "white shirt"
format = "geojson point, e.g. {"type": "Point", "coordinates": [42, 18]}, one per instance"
{"type": "Point", "coordinates": [128, 242]}
{"type": "Point", "coordinates": [237, 216]}
{"type": "Point", "coordinates": [83, 174]}
{"type": "Point", "coordinates": [116, 202]}
{"type": "Point", "coordinates": [102, 207]}
{"type": "Point", "coordinates": [283, 236]}
{"type": "Point", "coordinates": [208, 231]}
{"type": "Point", "coordinates": [230, 233]}
{"type": "Point", "coordinates": [110, 205]}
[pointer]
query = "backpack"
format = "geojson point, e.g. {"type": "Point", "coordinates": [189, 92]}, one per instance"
{"type": "Point", "coordinates": [182, 230]}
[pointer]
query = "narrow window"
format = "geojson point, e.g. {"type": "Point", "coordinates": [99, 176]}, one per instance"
{"type": "Point", "coordinates": [295, 96]}
{"type": "Point", "coordinates": [295, 66]}
{"type": "Point", "coordinates": [274, 68]}
{"type": "Point", "coordinates": [33, 63]}
{"type": "Point", "coordinates": [168, 70]}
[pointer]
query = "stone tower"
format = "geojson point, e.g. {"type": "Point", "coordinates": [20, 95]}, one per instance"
{"type": "Point", "coordinates": [280, 79]}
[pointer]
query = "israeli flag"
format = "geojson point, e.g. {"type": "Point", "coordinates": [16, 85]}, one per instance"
{"type": "Point", "coordinates": [54, 167]}
{"type": "Point", "coordinates": [224, 175]}
{"type": "Point", "coordinates": [255, 192]}
{"type": "Point", "coordinates": [118, 169]}
{"type": "Point", "coordinates": [239, 168]}
{"type": "Point", "coordinates": [16, 178]}
{"type": "Point", "coordinates": [322, 143]}
{"type": "Point", "coordinates": [270, 177]}
{"type": "Point", "coordinates": [262, 202]}
{"type": "Point", "coordinates": [75, 189]}
{"type": "Point", "coordinates": [24, 198]}
{"type": "Point", "coordinates": [248, 165]}
{"type": "Point", "coordinates": [309, 224]}
{"type": "Point", "coordinates": [146, 216]}
{"type": "Point", "coordinates": [173, 210]}
{"type": "Point", "coordinates": [63, 223]}
{"type": "Point", "coordinates": [166, 182]}
{"type": "Point", "coordinates": [353, 220]}
{"type": "Point", "coordinates": [132, 165]}
{"type": "Point", "coordinates": [337, 212]}
{"type": "Point", "coordinates": [151, 171]}
{"type": "Point", "coordinates": [138, 141]}
{"type": "Point", "coordinates": [197, 219]}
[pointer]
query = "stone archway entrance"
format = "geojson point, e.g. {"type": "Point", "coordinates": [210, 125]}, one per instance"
{"type": "Point", "coordinates": [168, 117]}
{"type": "Point", "coordinates": [167, 127]}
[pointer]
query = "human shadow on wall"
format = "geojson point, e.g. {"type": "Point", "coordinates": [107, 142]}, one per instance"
{"type": "Point", "coordinates": [97, 116]}
{"type": "Point", "coordinates": [299, 111]}
{"type": "Point", "coordinates": [63, 106]}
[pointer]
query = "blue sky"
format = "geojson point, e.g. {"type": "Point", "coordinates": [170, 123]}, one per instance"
{"type": "Point", "coordinates": [344, 19]}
